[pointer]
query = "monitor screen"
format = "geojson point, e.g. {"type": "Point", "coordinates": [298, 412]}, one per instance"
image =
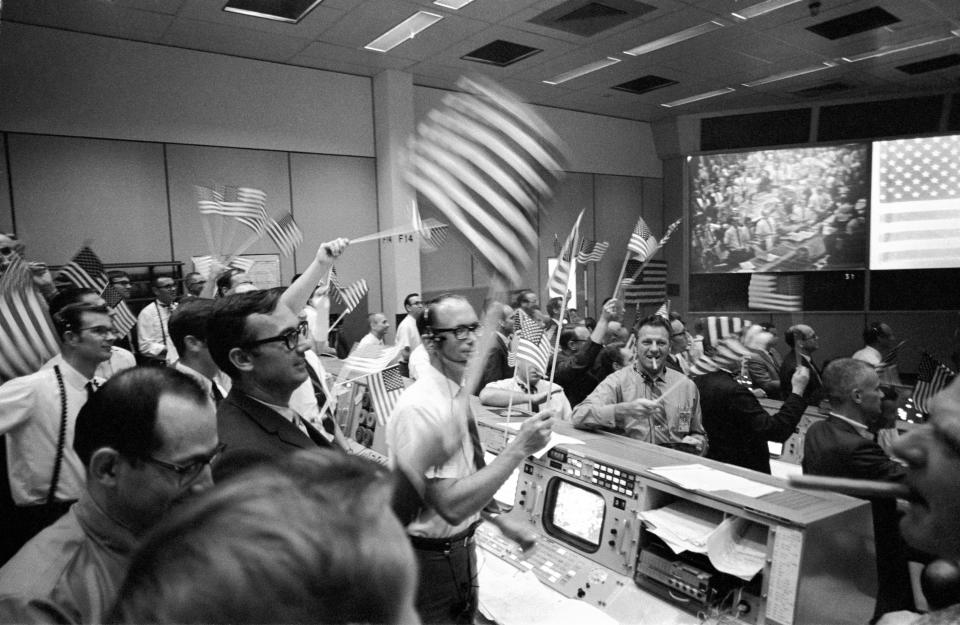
{"type": "Point", "coordinates": [574, 514]}
{"type": "Point", "coordinates": [786, 210]}
{"type": "Point", "coordinates": [915, 221]}
{"type": "Point", "coordinates": [506, 495]}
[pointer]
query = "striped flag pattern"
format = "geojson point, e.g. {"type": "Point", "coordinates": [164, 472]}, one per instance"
{"type": "Point", "coordinates": [351, 295]}
{"type": "Point", "coordinates": [664, 310]}
{"type": "Point", "coordinates": [86, 270]}
{"type": "Point", "coordinates": [27, 336]}
{"type": "Point", "coordinates": [560, 279]}
{"type": "Point", "coordinates": [243, 264]}
{"type": "Point", "coordinates": [728, 354]}
{"type": "Point", "coordinates": [487, 161]}
{"type": "Point", "coordinates": [591, 251]}
{"type": "Point", "coordinates": [246, 205]}
{"type": "Point", "coordinates": [385, 388]}
{"type": "Point", "coordinates": [769, 291]}
{"type": "Point", "coordinates": [642, 242]}
{"type": "Point", "coordinates": [649, 287]}
{"type": "Point", "coordinates": [433, 234]}
{"type": "Point", "coordinates": [932, 377]}
{"type": "Point", "coordinates": [720, 327]}
{"type": "Point", "coordinates": [369, 359]}
{"type": "Point", "coordinates": [533, 345]}
{"type": "Point", "coordinates": [285, 234]}
{"type": "Point", "coordinates": [915, 203]}
{"type": "Point", "coordinates": [123, 318]}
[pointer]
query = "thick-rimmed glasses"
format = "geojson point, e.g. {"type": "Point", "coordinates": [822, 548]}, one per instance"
{"type": "Point", "coordinates": [460, 332]}
{"type": "Point", "coordinates": [186, 473]}
{"type": "Point", "coordinates": [290, 338]}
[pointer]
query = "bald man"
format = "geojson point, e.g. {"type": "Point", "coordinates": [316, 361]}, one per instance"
{"type": "Point", "coordinates": [378, 329]}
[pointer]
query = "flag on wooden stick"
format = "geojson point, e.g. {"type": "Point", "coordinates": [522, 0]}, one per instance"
{"type": "Point", "coordinates": [385, 389]}
{"type": "Point", "coordinates": [560, 278]}
{"type": "Point", "coordinates": [533, 345]}
{"type": "Point", "coordinates": [487, 162]}
{"type": "Point", "coordinates": [591, 251]}
{"type": "Point", "coordinates": [932, 377]}
{"type": "Point", "coordinates": [86, 270]}
{"type": "Point", "coordinates": [351, 295]}
{"type": "Point", "coordinates": [245, 204]}
{"type": "Point", "coordinates": [642, 241]}
{"type": "Point", "coordinates": [27, 335]}
{"type": "Point", "coordinates": [285, 233]}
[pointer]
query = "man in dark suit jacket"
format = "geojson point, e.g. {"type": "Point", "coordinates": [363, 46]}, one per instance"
{"type": "Point", "coordinates": [843, 445]}
{"type": "Point", "coordinates": [737, 426]}
{"type": "Point", "coordinates": [803, 341]}
{"type": "Point", "coordinates": [496, 366]}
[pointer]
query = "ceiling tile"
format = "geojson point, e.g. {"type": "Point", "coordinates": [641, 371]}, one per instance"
{"type": "Point", "coordinates": [225, 39]}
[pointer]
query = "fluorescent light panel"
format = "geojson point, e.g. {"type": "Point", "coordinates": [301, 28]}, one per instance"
{"type": "Point", "coordinates": [288, 12]}
{"type": "Point", "coordinates": [583, 71]}
{"type": "Point", "coordinates": [405, 30]}
{"type": "Point", "coordinates": [669, 40]}
{"type": "Point", "coordinates": [761, 8]}
{"type": "Point", "coordinates": [456, 5]}
{"type": "Point", "coordinates": [793, 74]}
{"type": "Point", "coordinates": [697, 98]}
{"type": "Point", "coordinates": [903, 47]}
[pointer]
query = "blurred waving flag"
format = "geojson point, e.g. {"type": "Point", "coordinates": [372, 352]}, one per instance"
{"type": "Point", "coordinates": [932, 377]}
{"type": "Point", "coordinates": [87, 271]}
{"type": "Point", "coordinates": [245, 204]}
{"type": "Point", "coordinates": [285, 234]}
{"type": "Point", "coordinates": [591, 251]}
{"type": "Point", "coordinates": [351, 295]}
{"type": "Point", "coordinates": [369, 359]}
{"type": "Point", "coordinates": [385, 388]}
{"type": "Point", "coordinates": [770, 291]}
{"type": "Point", "coordinates": [433, 234]}
{"type": "Point", "coordinates": [664, 310]}
{"type": "Point", "coordinates": [560, 279]}
{"type": "Point", "coordinates": [487, 162]}
{"type": "Point", "coordinates": [533, 345]}
{"type": "Point", "coordinates": [27, 336]}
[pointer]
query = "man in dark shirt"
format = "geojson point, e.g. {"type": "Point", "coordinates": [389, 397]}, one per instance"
{"type": "Point", "coordinates": [578, 352]}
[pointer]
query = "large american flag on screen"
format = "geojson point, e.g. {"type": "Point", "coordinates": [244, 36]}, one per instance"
{"type": "Point", "coordinates": [916, 211]}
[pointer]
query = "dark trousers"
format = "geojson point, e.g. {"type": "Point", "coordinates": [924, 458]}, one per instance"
{"type": "Point", "coordinates": [448, 591]}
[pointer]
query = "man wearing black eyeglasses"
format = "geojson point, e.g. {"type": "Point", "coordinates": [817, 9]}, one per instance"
{"type": "Point", "coordinates": [258, 339]}
{"type": "Point", "coordinates": [147, 439]}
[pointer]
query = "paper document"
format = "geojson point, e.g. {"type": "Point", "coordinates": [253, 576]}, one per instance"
{"type": "Point", "coordinates": [684, 525]}
{"type": "Point", "coordinates": [738, 547]}
{"type": "Point", "coordinates": [555, 439]}
{"type": "Point", "coordinates": [703, 478]}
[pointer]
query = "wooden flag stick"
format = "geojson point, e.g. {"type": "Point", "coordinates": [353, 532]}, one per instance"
{"type": "Point", "coordinates": [623, 270]}
{"type": "Point", "coordinates": [383, 234]}
{"type": "Point", "coordinates": [856, 488]}
{"type": "Point", "coordinates": [339, 319]}
{"type": "Point", "coordinates": [563, 307]}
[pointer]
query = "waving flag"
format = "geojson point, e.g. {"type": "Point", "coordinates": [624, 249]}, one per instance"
{"type": "Point", "coordinates": [487, 162]}
{"type": "Point", "coordinates": [385, 388]}
{"type": "Point", "coordinates": [246, 205]}
{"type": "Point", "coordinates": [649, 287]}
{"type": "Point", "coordinates": [27, 336]}
{"type": "Point", "coordinates": [642, 242]}
{"type": "Point", "coordinates": [932, 377]}
{"type": "Point", "coordinates": [87, 271]}
{"type": "Point", "coordinates": [123, 319]}
{"type": "Point", "coordinates": [369, 359]}
{"type": "Point", "coordinates": [351, 295]}
{"type": "Point", "coordinates": [560, 279]}
{"type": "Point", "coordinates": [533, 345]}
{"type": "Point", "coordinates": [591, 251]}
{"type": "Point", "coordinates": [285, 233]}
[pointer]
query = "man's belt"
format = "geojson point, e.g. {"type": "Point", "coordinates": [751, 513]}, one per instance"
{"type": "Point", "coordinates": [459, 540]}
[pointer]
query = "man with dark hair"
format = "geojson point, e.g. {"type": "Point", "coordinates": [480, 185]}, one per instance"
{"type": "Point", "coordinates": [678, 359]}
{"type": "Point", "coordinates": [763, 364]}
{"type": "Point", "coordinates": [121, 281]}
{"type": "Point", "coordinates": [188, 330]}
{"type": "Point", "coordinates": [146, 439]}
{"type": "Point", "coordinates": [879, 341]}
{"type": "Point", "coordinates": [257, 339]}
{"type": "Point", "coordinates": [193, 286]}
{"type": "Point", "coordinates": [432, 439]}
{"type": "Point", "coordinates": [153, 335]}
{"type": "Point", "coordinates": [407, 336]}
{"type": "Point", "coordinates": [497, 366]}
{"type": "Point", "coordinates": [579, 348]}
{"type": "Point", "coordinates": [37, 415]}
{"type": "Point", "coordinates": [803, 341]}
{"type": "Point", "coordinates": [310, 540]}
{"type": "Point", "coordinates": [647, 401]}
{"type": "Point", "coordinates": [842, 445]}
{"type": "Point", "coordinates": [233, 281]}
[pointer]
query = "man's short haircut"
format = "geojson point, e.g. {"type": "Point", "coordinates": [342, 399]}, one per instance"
{"type": "Point", "coordinates": [553, 306]}
{"type": "Point", "coordinates": [610, 355]}
{"type": "Point", "coordinates": [406, 300]}
{"type": "Point", "coordinates": [224, 279]}
{"type": "Point", "coordinates": [310, 539]}
{"type": "Point", "coordinates": [122, 414]}
{"type": "Point", "coordinates": [189, 319]}
{"type": "Point", "coordinates": [70, 317]}
{"type": "Point", "coordinates": [155, 283]}
{"type": "Point", "coordinates": [841, 376]}
{"type": "Point", "coordinates": [116, 274]}
{"type": "Point", "coordinates": [567, 334]}
{"type": "Point", "coordinates": [227, 324]}
{"type": "Point", "coordinates": [521, 297]}
{"type": "Point", "coordinates": [69, 295]}
{"type": "Point", "coordinates": [655, 321]}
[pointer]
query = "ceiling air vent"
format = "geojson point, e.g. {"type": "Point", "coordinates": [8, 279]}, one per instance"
{"type": "Point", "coordinates": [826, 89]}
{"type": "Point", "coordinates": [500, 53]}
{"type": "Point", "coordinates": [930, 65]}
{"type": "Point", "coordinates": [644, 84]}
{"type": "Point", "coordinates": [586, 19]}
{"type": "Point", "coordinates": [854, 23]}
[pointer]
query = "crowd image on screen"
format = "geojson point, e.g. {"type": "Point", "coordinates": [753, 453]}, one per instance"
{"type": "Point", "coordinates": [780, 210]}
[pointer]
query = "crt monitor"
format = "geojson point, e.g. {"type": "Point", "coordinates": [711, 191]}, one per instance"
{"type": "Point", "coordinates": [574, 514]}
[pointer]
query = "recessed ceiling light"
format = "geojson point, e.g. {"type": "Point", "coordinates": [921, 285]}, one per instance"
{"type": "Point", "coordinates": [761, 8]}
{"type": "Point", "coordinates": [793, 74]}
{"type": "Point", "coordinates": [583, 71]}
{"type": "Point", "coordinates": [456, 5]}
{"type": "Point", "coordinates": [669, 40]}
{"type": "Point", "coordinates": [697, 98]}
{"type": "Point", "coordinates": [404, 31]}
{"type": "Point", "coordinates": [903, 47]}
{"type": "Point", "coordinates": [290, 11]}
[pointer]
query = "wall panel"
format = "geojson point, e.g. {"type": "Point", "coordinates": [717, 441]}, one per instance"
{"type": "Point", "coordinates": [111, 193]}
{"type": "Point", "coordinates": [619, 202]}
{"type": "Point", "coordinates": [6, 211]}
{"type": "Point", "coordinates": [575, 194]}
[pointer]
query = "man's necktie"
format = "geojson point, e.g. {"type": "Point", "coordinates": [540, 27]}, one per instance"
{"type": "Point", "coordinates": [215, 393]}
{"type": "Point", "coordinates": [659, 420]}
{"type": "Point", "coordinates": [91, 387]}
{"type": "Point", "coordinates": [321, 396]}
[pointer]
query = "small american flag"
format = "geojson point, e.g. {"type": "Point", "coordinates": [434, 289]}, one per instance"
{"type": "Point", "coordinates": [591, 251]}
{"type": "Point", "coordinates": [85, 270]}
{"type": "Point", "coordinates": [285, 233]}
{"type": "Point", "coordinates": [351, 295]}
{"type": "Point", "coordinates": [385, 388]}
{"type": "Point", "coordinates": [241, 263]}
{"type": "Point", "coordinates": [642, 242]}
{"type": "Point", "coordinates": [932, 377]}
{"type": "Point", "coordinates": [560, 279]}
{"type": "Point", "coordinates": [532, 344]}
{"type": "Point", "coordinates": [123, 318]}
{"type": "Point", "coordinates": [650, 287]}
{"type": "Point", "coordinates": [721, 327]}
{"type": "Point", "coordinates": [27, 336]}
{"type": "Point", "coordinates": [369, 359]}
{"type": "Point", "coordinates": [775, 292]}
{"type": "Point", "coordinates": [433, 234]}
{"type": "Point", "coordinates": [245, 204]}
{"type": "Point", "coordinates": [664, 310]}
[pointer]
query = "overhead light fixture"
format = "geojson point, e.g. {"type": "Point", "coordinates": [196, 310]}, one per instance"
{"type": "Point", "coordinates": [404, 31]}
{"type": "Point", "coordinates": [583, 71]}
{"type": "Point", "coordinates": [456, 5]}
{"type": "Point", "coordinates": [289, 11]}
{"type": "Point", "coordinates": [669, 40]}
{"type": "Point", "coordinates": [793, 74]}
{"type": "Point", "coordinates": [761, 8]}
{"type": "Point", "coordinates": [697, 98]}
{"type": "Point", "coordinates": [903, 47]}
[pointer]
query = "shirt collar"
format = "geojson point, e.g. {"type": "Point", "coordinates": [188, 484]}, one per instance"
{"type": "Point", "coordinates": [862, 429]}
{"type": "Point", "coordinates": [102, 528]}
{"type": "Point", "coordinates": [286, 412]}
{"type": "Point", "coordinates": [74, 378]}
